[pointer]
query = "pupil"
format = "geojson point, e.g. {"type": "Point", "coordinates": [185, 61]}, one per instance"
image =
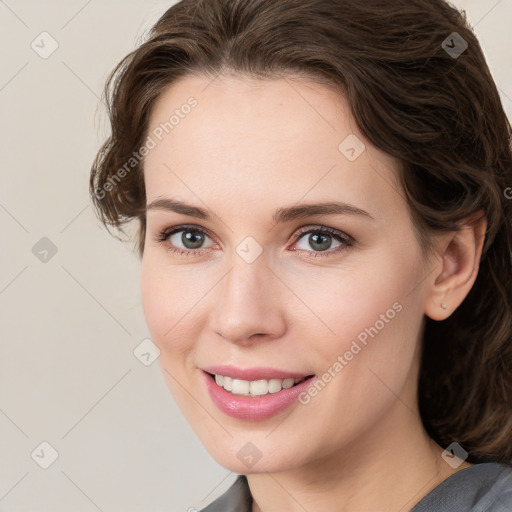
{"type": "Point", "coordinates": [192, 239]}
{"type": "Point", "coordinates": [322, 246]}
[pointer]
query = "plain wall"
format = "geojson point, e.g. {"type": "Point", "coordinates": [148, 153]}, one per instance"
{"type": "Point", "coordinates": [69, 325]}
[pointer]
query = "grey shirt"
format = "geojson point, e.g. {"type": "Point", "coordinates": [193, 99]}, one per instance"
{"type": "Point", "coordinates": [480, 488]}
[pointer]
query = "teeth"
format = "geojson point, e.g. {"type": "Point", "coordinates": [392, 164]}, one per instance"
{"type": "Point", "coordinates": [240, 387]}
{"type": "Point", "coordinates": [288, 383]}
{"type": "Point", "coordinates": [228, 383]}
{"type": "Point", "coordinates": [254, 387]}
{"type": "Point", "coordinates": [274, 385]}
{"type": "Point", "coordinates": [258, 387]}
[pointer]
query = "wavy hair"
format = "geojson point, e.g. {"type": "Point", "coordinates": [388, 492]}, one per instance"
{"type": "Point", "coordinates": [437, 111]}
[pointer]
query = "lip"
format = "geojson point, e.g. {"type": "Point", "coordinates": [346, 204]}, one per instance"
{"type": "Point", "coordinates": [259, 373]}
{"type": "Point", "coordinates": [257, 407]}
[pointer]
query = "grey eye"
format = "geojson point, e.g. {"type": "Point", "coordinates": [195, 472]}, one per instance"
{"type": "Point", "coordinates": [317, 241]}
{"type": "Point", "coordinates": [190, 238]}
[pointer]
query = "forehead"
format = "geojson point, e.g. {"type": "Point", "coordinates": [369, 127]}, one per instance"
{"type": "Point", "coordinates": [241, 139]}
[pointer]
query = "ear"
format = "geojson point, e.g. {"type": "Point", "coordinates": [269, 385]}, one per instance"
{"type": "Point", "coordinates": [455, 267]}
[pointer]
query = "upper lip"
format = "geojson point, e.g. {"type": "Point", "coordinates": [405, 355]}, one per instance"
{"type": "Point", "coordinates": [257, 373]}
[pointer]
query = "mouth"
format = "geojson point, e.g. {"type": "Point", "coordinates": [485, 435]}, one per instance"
{"type": "Point", "coordinates": [259, 387]}
{"type": "Point", "coordinates": [254, 394]}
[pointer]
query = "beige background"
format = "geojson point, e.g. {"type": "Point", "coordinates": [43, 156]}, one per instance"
{"type": "Point", "coordinates": [69, 326]}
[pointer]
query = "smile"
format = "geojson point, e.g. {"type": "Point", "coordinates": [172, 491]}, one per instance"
{"type": "Point", "coordinates": [255, 387]}
{"type": "Point", "coordinates": [256, 393]}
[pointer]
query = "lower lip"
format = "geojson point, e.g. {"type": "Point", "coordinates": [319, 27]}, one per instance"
{"type": "Point", "coordinates": [257, 407]}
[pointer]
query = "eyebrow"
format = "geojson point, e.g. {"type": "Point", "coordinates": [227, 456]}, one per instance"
{"type": "Point", "coordinates": [281, 215]}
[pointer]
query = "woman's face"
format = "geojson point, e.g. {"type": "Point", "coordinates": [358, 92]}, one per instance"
{"type": "Point", "coordinates": [255, 287]}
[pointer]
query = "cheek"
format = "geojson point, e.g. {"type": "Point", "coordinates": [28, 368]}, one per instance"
{"type": "Point", "coordinates": [367, 362]}
{"type": "Point", "coordinates": [168, 299]}
{"type": "Point", "coordinates": [371, 312]}
{"type": "Point", "coordinates": [348, 300]}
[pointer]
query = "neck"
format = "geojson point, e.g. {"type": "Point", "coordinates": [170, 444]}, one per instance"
{"type": "Point", "coordinates": [390, 470]}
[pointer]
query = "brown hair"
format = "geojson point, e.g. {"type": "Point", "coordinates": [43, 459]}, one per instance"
{"type": "Point", "coordinates": [438, 113]}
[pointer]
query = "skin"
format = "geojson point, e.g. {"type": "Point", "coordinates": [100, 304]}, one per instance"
{"type": "Point", "coordinates": [248, 148]}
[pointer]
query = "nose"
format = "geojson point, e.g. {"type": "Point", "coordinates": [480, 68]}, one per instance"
{"type": "Point", "coordinates": [249, 304]}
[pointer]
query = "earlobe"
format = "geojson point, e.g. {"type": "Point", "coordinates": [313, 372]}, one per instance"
{"type": "Point", "coordinates": [455, 270]}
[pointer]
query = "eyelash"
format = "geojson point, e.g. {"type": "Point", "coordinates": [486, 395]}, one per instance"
{"type": "Point", "coordinates": [346, 240]}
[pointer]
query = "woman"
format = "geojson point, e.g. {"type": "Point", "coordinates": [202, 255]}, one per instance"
{"type": "Point", "coordinates": [326, 240]}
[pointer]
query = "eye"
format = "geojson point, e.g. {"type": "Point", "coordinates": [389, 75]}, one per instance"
{"type": "Point", "coordinates": [183, 240]}
{"type": "Point", "coordinates": [321, 239]}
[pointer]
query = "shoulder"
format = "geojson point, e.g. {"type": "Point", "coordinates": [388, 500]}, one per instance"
{"type": "Point", "coordinates": [236, 499]}
{"type": "Point", "coordinates": [480, 488]}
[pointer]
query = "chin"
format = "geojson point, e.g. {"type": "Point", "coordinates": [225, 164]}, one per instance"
{"type": "Point", "coordinates": [252, 454]}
